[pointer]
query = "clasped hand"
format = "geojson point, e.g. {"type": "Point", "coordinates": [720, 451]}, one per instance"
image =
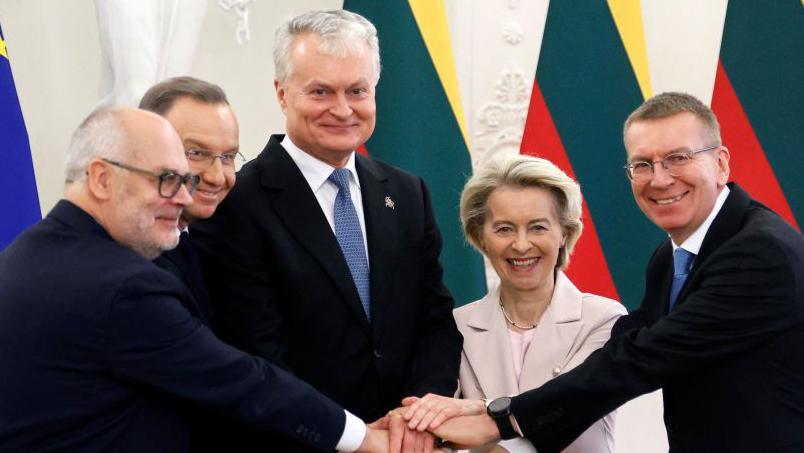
{"type": "Point", "coordinates": [415, 426]}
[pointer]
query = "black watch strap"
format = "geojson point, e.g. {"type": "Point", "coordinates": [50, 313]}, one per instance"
{"type": "Point", "coordinates": [500, 411]}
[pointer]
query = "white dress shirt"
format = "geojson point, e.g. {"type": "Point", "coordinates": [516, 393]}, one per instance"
{"type": "Point", "coordinates": [694, 242]}
{"type": "Point", "coordinates": [316, 173]}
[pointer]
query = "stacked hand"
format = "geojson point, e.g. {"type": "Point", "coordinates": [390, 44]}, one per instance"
{"type": "Point", "coordinates": [390, 433]}
{"type": "Point", "coordinates": [463, 423]}
{"type": "Point", "coordinates": [415, 426]}
{"type": "Point", "coordinates": [430, 411]}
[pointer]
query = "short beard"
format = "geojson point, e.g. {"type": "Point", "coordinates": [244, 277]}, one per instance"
{"type": "Point", "coordinates": [149, 249]}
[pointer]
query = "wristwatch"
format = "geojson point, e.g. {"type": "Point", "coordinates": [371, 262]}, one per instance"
{"type": "Point", "coordinates": [500, 411]}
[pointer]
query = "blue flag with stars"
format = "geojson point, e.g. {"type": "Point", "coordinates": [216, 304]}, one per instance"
{"type": "Point", "coordinates": [19, 202]}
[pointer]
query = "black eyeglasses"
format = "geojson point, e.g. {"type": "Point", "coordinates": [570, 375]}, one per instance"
{"type": "Point", "coordinates": [169, 181]}
{"type": "Point", "coordinates": [641, 171]}
{"type": "Point", "coordinates": [228, 160]}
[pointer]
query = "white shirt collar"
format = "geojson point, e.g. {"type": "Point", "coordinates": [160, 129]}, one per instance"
{"type": "Point", "coordinates": [316, 171]}
{"type": "Point", "coordinates": [693, 243]}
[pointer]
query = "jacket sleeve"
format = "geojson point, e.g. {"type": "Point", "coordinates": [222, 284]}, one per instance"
{"type": "Point", "coordinates": [153, 340]}
{"type": "Point", "coordinates": [746, 295]}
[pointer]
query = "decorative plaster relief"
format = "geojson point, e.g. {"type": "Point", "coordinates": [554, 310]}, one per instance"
{"type": "Point", "coordinates": [500, 123]}
{"type": "Point", "coordinates": [513, 33]}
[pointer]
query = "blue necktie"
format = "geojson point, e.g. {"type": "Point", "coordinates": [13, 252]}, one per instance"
{"type": "Point", "coordinates": [350, 237]}
{"type": "Point", "coordinates": [682, 261]}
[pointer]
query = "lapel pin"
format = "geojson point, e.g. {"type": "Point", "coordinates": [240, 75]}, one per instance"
{"type": "Point", "coordinates": [389, 203]}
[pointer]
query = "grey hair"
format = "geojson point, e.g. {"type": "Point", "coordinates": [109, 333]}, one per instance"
{"type": "Point", "coordinates": [522, 172]}
{"type": "Point", "coordinates": [99, 136]}
{"type": "Point", "coordinates": [340, 31]}
{"type": "Point", "coordinates": [672, 103]}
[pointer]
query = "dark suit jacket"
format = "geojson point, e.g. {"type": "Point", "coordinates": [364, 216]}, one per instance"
{"type": "Point", "coordinates": [729, 358]}
{"type": "Point", "coordinates": [97, 353]}
{"type": "Point", "coordinates": [183, 262]}
{"type": "Point", "coordinates": [282, 289]}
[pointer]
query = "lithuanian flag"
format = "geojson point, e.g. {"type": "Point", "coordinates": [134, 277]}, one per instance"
{"type": "Point", "coordinates": [420, 122]}
{"type": "Point", "coordinates": [592, 72]}
{"type": "Point", "coordinates": [19, 202]}
{"type": "Point", "coordinates": [759, 101]}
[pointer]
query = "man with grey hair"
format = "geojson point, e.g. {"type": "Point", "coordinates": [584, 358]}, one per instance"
{"type": "Point", "coordinates": [98, 352]}
{"type": "Point", "coordinates": [326, 261]}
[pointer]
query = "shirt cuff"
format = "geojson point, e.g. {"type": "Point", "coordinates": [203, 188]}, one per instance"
{"type": "Point", "coordinates": [518, 445]}
{"type": "Point", "coordinates": [354, 431]}
{"type": "Point", "coordinates": [515, 424]}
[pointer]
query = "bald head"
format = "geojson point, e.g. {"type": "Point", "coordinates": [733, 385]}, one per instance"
{"type": "Point", "coordinates": [117, 165]}
{"type": "Point", "coordinates": [110, 133]}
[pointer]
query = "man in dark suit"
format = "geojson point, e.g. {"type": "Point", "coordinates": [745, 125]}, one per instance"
{"type": "Point", "coordinates": [721, 327]}
{"type": "Point", "coordinates": [98, 352]}
{"type": "Point", "coordinates": [208, 129]}
{"type": "Point", "coordinates": [326, 261]}
{"type": "Point", "coordinates": [205, 122]}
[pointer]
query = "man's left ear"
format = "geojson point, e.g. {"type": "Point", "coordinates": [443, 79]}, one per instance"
{"type": "Point", "coordinates": [99, 179]}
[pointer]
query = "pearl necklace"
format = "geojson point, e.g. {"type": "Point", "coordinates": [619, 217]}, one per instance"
{"type": "Point", "coordinates": [511, 321]}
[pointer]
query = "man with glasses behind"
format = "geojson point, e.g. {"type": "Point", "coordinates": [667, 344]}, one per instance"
{"type": "Point", "coordinates": [721, 327]}
{"type": "Point", "coordinates": [97, 351]}
{"type": "Point", "coordinates": [208, 129]}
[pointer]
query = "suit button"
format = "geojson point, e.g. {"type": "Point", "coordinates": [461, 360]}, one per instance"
{"type": "Point", "coordinates": [377, 354]}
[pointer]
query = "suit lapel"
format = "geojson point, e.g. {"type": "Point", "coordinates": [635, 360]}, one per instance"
{"type": "Point", "coordinates": [296, 206]}
{"type": "Point", "coordinates": [382, 235]}
{"type": "Point", "coordinates": [554, 337]}
{"type": "Point", "coordinates": [488, 348]}
{"type": "Point", "coordinates": [726, 224]}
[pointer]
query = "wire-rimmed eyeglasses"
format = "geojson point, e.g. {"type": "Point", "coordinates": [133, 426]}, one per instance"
{"type": "Point", "coordinates": [228, 159]}
{"type": "Point", "coordinates": [673, 163]}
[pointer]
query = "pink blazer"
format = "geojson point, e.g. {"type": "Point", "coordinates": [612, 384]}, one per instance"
{"type": "Point", "coordinates": [574, 325]}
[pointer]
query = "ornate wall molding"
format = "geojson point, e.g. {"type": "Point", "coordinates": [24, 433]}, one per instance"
{"type": "Point", "coordinates": [499, 123]}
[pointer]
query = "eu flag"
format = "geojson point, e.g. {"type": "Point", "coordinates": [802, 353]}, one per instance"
{"type": "Point", "coordinates": [19, 202]}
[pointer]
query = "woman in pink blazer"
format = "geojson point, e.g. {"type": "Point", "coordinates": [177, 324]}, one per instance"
{"type": "Point", "coordinates": [523, 214]}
